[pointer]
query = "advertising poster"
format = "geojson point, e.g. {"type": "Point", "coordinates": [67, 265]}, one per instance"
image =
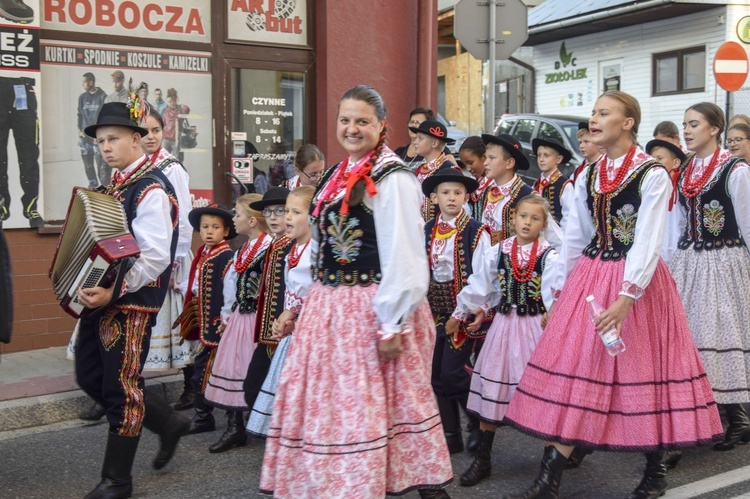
{"type": "Point", "coordinates": [79, 78]}
{"type": "Point", "coordinates": [267, 21]}
{"type": "Point", "coordinates": [21, 198]}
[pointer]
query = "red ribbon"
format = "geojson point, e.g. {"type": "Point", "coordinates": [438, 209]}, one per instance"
{"type": "Point", "coordinates": [437, 131]}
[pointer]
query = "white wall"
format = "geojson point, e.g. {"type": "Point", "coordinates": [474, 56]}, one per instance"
{"type": "Point", "coordinates": [634, 45]}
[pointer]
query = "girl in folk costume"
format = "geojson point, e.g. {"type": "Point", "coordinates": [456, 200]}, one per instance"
{"type": "Point", "coordinates": [711, 264]}
{"type": "Point", "coordinates": [309, 164]}
{"type": "Point", "coordinates": [430, 142]}
{"type": "Point", "coordinates": [453, 238]}
{"type": "Point", "coordinates": [671, 157]}
{"type": "Point", "coordinates": [201, 317]}
{"type": "Point", "coordinates": [298, 279]}
{"type": "Point", "coordinates": [472, 153]}
{"type": "Point", "coordinates": [165, 350]}
{"type": "Point", "coordinates": [358, 369]}
{"type": "Point", "coordinates": [510, 281]}
{"type": "Point", "coordinates": [241, 291]}
{"type": "Point", "coordinates": [655, 395]}
{"type": "Point", "coordinates": [552, 185]}
{"type": "Point", "coordinates": [504, 157]}
{"type": "Point", "coordinates": [271, 295]}
{"type": "Point", "coordinates": [738, 140]}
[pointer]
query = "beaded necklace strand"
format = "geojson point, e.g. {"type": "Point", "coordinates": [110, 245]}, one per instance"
{"type": "Point", "coordinates": [523, 274]}
{"type": "Point", "coordinates": [605, 184]}
{"type": "Point", "coordinates": [691, 188]}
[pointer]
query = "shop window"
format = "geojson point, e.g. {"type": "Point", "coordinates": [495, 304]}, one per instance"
{"type": "Point", "coordinates": [679, 72]}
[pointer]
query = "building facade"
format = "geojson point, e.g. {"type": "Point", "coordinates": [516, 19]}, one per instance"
{"type": "Point", "coordinates": [269, 72]}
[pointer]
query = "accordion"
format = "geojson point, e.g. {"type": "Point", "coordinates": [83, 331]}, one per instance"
{"type": "Point", "coordinates": [94, 249]}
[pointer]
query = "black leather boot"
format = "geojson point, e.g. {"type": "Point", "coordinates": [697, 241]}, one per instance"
{"type": "Point", "coordinates": [187, 399]}
{"type": "Point", "coordinates": [672, 458]}
{"type": "Point", "coordinates": [475, 435]}
{"type": "Point", "coordinates": [117, 483]}
{"type": "Point", "coordinates": [93, 413]}
{"type": "Point", "coordinates": [234, 436]}
{"type": "Point", "coordinates": [481, 467]}
{"type": "Point", "coordinates": [451, 419]}
{"type": "Point", "coordinates": [547, 484]}
{"type": "Point", "coordinates": [738, 431]}
{"type": "Point", "coordinates": [577, 457]}
{"type": "Point", "coordinates": [434, 494]}
{"type": "Point", "coordinates": [654, 481]}
{"type": "Point", "coordinates": [203, 418]}
{"type": "Point", "coordinates": [165, 422]}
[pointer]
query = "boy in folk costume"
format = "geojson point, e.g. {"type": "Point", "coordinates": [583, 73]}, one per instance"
{"type": "Point", "coordinates": [672, 157]}
{"type": "Point", "coordinates": [271, 296]}
{"type": "Point", "coordinates": [113, 343]}
{"type": "Point", "coordinates": [201, 317]}
{"type": "Point", "coordinates": [453, 238]}
{"type": "Point", "coordinates": [590, 152]}
{"type": "Point", "coordinates": [551, 184]}
{"type": "Point", "coordinates": [504, 157]}
{"type": "Point", "coordinates": [430, 141]}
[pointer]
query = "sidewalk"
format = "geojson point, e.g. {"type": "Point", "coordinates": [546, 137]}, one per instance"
{"type": "Point", "coordinates": [38, 387]}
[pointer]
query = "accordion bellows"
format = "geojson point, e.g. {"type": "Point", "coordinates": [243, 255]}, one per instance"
{"type": "Point", "coordinates": [94, 249]}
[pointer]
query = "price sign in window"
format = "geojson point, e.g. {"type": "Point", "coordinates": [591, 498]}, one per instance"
{"type": "Point", "coordinates": [269, 107]}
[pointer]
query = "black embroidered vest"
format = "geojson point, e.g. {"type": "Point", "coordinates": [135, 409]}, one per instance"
{"type": "Point", "coordinates": [348, 252]}
{"type": "Point", "coordinates": [615, 214]}
{"type": "Point", "coordinates": [271, 296]}
{"type": "Point", "coordinates": [711, 223]}
{"type": "Point", "coordinates": [526, 296]}
{"type": "Point", "coordinates": [553, 194]}
{"type": "Point", "coordinates": [151, 296]}
{"type": "Point", "coordinates": [248, 284]}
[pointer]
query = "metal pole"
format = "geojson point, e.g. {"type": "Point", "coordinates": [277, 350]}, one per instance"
{"type": "Point", "coordinates": [726, 108]}
{"type": "Point", "coordinates": [493, 51]}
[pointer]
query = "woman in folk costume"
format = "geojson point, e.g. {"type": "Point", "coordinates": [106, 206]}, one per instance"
{"type": "Point", "coordinates": [711, 263]}
{"type": "Point", "coordinates": [165, 351]}
{"type": "Point", "coordinates": [238, 316]}
{"type": "Point", "coordinates": [655, 395]}
{"type": "Point", "coordinates": [355, 404]}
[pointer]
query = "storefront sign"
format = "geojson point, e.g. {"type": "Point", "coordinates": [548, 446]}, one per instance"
{"type": "Point", "coordinates": [20, 97]}
{"type": "Point", "coordinates": [267, 21]}
{"type": "Point", "coordinates": [184, 20]}
{"type": "Point", "coordinates": [566, 69]}
{"type": "Point", "coordinates": [79, 77]}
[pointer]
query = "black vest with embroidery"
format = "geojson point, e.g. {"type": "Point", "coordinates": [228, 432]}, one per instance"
{"type": "Point", "coordinates": [615, 214]}
{"type": "Point", "coordinates": [442, 296]}
{"type": "Point", "coordinates": [553, 194]}
{"type": "Point", "coordinates": [214, 266]}
{"type": "Point", "coordinates": [348, 251]}
{"type": "Point", "coordinates": [273, 286]}
{"type": "Point", "coordinates": [151, 296]}
{"type": "Point", "coordinates": [711, 223]}
{"type": "Point", "coordinates": [248, 284]}
{"type": "Point", "coordinates": [525, 296]}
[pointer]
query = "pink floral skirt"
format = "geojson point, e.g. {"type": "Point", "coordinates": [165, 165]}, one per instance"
{"type": "Point", "coordinates": [224, 388]}
{"type": "Point", "coordinates": [346, 424]}
{"type": "Point", "coordinates": [655, 395]}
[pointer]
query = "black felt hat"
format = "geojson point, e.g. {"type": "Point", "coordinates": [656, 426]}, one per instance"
{"type": "Point", "coordinates": [273, 196]}
{"type": "Point", "coordinates": [561, 149]}
{"type": "Point", "coordinates": [434, 129]}
{"type": "Point", "coordinates": [213, 209]}
{"type": "Point", "coordinates": [583, 125]}
{"type": "Point", "coordinates": [448, 174]}
{"type": "Point", "coordinates": [667, 145]}
{"type": "Point", "coordinates": [114, 114]}
{"type": "Point", "coordinates": [510, 144]}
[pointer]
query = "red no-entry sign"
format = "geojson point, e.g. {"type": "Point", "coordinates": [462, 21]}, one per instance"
{"type": "Point", "coordinates": [731, 66]}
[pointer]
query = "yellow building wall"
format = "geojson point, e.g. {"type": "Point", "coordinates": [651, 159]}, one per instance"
{"type": "Point", "coordinates": [463, 91]}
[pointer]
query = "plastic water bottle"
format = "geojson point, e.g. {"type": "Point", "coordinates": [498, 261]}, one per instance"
{"type": "Point", "coordinates": [611, 339]}
{"type": "Point", "coordinates": [442, 271]}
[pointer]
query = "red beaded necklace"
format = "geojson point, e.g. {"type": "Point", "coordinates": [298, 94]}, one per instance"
{"type": "Point", "coordinates": [605, 184]}
{"type": "Point", "coordinates": [523, 274]}
{"type": "Point", "coordinates": [691, 188]}
{"type": "Point", "coordinates": [242, 263]}
{"type": "Point", "coordinates": [295, 258]}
